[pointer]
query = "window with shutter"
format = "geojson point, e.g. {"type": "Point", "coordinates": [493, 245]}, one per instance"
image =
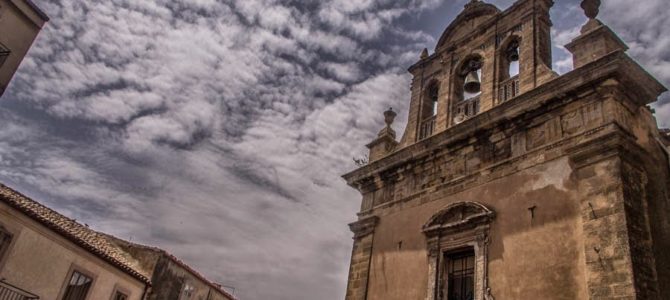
{"type": "Point", "coordinates": [78, 287]}
{"type": "Point", "coordinates": [5, 240]}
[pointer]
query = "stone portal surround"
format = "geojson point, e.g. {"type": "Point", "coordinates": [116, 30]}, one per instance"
{"type": "Point", "coordinates": [459, 225]}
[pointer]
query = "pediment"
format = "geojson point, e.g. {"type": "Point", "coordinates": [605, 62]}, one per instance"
{"type": "Point", "coordinates": [459, 214]}
{"type": "Point", "coordinates": [475, 14]}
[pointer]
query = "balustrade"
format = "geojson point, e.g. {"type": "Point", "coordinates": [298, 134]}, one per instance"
{"type": "Point", "coordinates": [10, 292]}
{"type": "Point", "coordinates": [509, 89]}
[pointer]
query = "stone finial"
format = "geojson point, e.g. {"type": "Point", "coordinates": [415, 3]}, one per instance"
{"type": "Point", "coordinates": [385, 142]}
{"type": "Point", "coordinates": [591, 8]}
{"type": "Point", "coordinates": [389, 117]}
{"type": "Point", "coordinates": [424, 53]}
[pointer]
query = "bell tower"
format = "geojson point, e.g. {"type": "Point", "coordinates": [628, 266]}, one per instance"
{"type": "Point", "coordinates": [469, 71]}
{"type": "Point", "coordinates": [512, 182]}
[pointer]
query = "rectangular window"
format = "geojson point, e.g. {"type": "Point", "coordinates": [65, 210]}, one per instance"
{"type": "Point", "coordinates": [77, 287]}
{"type": "Point", "coordinates": [4, 53]}
{"type": "Point", "coordinates": [5, 240]}
{"type": "Point", "coordinates": [461, 275]}
{"type": "Point", "coordinates": [120, 296]}
{"type": "Point", "coordinates": [186, 292]}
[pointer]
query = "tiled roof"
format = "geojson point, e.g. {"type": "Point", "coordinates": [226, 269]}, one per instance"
{"type": "Point", "coordinates": [91, 240]}
{"type": "Point", "coordinates": [196, 274]}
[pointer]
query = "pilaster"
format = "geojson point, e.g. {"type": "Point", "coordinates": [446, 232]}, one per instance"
{"type": "Point", "coordinates": [359, 270]}
{"type": "Point", "coordinates": [617, 241]}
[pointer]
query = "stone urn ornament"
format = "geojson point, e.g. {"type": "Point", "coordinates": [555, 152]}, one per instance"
{"type": "Point", "coordinates": [591, 8]}
{"type": "Point", "coordinates": [389, 116]}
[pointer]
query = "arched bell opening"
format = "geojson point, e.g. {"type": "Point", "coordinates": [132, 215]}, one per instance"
{"type": "Point", "coordinates": [431, 103]}
{"type": "Point", "coordinates": [468, 89]}
{"type": "Point", "coordinates": [429, 109]}
{"type": "Point", "coordinates": [509, 70]}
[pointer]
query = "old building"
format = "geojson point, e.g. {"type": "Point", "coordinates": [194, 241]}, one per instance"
{"type": "Point", "coordinates": [20, 22]}
{"type": "Point", "coordinates": [512, 182]}
{"type": "Point", "coordinates": [171, 278]}
{"type": "Point", "coordinates": [45, 255]}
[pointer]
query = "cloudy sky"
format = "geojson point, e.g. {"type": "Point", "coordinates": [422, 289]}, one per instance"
{"type": "Point", "coordinates": [218, 129]}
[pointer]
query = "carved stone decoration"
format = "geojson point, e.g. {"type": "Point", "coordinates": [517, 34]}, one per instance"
{"type": "Point", "coordinates": [591, 8]}
{"type": "Point", "coordinates": [458, 216]}
{"type": "Point", "coordinates": [572, 122]}
{"type": "Point", "coordinates": [424, 53]}
{"type": "Point", "coordinates": [364, 226]}
{"type": "Point", "coordinates": [489, 296]}
{"type": "Point", "coordinates": [459, 225]}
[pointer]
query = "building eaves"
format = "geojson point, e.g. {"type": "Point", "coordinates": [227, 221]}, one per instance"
{"type": "Point", "coordinates": [37, 10]}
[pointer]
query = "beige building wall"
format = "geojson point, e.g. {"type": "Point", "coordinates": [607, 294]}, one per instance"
{"type": "Point", "coordinates": [40, 261]}
{"type": "Point", "coordinates": [20, 23]}
{"type": "Point", "coordinates": [529, 257]}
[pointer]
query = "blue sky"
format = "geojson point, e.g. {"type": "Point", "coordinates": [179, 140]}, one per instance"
{"type": "Point", "coordinates": [218, 129]}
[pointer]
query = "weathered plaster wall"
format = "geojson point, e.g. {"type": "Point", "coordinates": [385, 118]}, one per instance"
{"type": "Point", "coordinates": [523, 249]}
{"type": "Point", "coordinates": [19, 26]}
{"type": "Point", "coordinates": [169, 279]}
{"type": "Point", "coordinates": [39, 261]}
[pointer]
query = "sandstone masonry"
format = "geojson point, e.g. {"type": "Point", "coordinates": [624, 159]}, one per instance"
{"type": "Point", "coordinates": [542, 186]}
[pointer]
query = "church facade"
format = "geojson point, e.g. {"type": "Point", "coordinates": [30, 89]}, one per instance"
{"type": "Point", "coordinates": [512, 182]}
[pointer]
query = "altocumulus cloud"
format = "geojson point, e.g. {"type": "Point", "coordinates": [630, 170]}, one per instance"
{"type": "Point", "coordinates": [218, 129]}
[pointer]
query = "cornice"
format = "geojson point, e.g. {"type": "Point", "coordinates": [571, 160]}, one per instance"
{"type": "Point", "coordinates": [565, 88]}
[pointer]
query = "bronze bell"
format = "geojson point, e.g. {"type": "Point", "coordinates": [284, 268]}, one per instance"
{"type": "Point", "coordinates": [472, 84]}
{"type": "Point", "coordinates": [513, 54]}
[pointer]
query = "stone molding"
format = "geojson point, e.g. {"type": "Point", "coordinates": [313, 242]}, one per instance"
{"type": "Point", "coordinates": [614, 144]}
{"type": "Point", "coordinates": [628, 75]}
{"type": "Point", "coordinates": [456, 217]}
{"type": "Point", "coordinates": [459, 225]}
{"type": "Point", "coordinates": [364, 226]}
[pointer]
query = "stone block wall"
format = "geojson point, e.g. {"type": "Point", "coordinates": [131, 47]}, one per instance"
{"type": "Point", "coordinates": [361, 255]}
{"type": "Point", "coordinates": [618, 182]}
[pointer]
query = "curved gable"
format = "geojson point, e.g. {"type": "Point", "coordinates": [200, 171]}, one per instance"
{"type": "Point", "coordinates": [475, 13]}
{"type": "Point", "coordinates": [457, 214]}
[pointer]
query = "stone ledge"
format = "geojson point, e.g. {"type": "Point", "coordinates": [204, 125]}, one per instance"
{"type": "Point", "coordinates": [497, 170]}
